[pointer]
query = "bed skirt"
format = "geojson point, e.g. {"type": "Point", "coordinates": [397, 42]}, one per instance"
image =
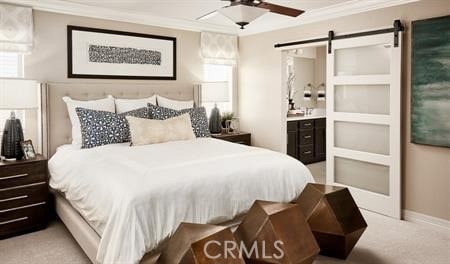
{"type": "Point", "coordinates": [89, 240]}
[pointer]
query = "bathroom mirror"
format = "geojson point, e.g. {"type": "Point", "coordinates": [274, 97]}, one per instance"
{"type": "Point", "coordinates": [307, 68]}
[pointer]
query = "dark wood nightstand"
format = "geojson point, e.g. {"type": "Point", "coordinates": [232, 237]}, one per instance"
{"type": "Point", "coordinates": [240, 138]}
{"type": "Point", "coordinates": [23, 196]}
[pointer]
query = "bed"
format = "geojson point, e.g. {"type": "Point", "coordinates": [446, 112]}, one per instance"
{"type": "Point", "coordinates": [122, 203]}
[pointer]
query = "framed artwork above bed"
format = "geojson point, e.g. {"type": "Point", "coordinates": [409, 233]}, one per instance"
{"type": "Point", "coordinates": [108, 54]}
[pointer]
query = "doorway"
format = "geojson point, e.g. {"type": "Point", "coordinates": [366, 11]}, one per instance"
{"type": "Point", "coordinates": [306, 107]}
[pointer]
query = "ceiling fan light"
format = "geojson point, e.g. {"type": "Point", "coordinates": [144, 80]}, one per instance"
{"type": "Point", "coordinates": [243, 13]}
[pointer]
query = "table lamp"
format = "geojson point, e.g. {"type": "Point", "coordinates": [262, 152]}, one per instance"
{"type": "Point", "coordinates": [15, 94]}
{"type": "Point", "coordinates": [215, 92]}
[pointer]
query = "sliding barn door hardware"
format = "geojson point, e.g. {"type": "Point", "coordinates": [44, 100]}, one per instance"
{"type": "Point", "coordinates": [330, 39]}
{"type": "Point", "coordinates": [397, 27]}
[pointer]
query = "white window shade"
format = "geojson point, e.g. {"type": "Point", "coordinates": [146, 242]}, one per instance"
{"type": "Point", "coordinates": [215, 92]}
{"type": "Point", "coordinates": [219, 48]}
{"type": "Point", "coordinates": [16, 28]}
{"type": "Point", "coordinates": [11, 65]}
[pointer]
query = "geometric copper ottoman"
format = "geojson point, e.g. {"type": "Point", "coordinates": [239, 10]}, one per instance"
{"type": "Point", "coordinates": [334, 218]}
{"type": "Point", "coordinates": [277, 233]}
{"type": "Point", "coordinates": [200, 244]}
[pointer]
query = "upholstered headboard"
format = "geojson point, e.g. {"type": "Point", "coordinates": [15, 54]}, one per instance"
{"type": "Point", "coordinates": [55, 119]}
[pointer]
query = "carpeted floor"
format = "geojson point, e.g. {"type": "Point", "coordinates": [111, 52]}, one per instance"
{"type": "Point", "coordinates": [318, 171]}
{"type": "Point", "coordinates": [386, 241]}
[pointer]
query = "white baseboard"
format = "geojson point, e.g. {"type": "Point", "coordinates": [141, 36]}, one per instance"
{"type": "Point", "coordinates": [426, 219]}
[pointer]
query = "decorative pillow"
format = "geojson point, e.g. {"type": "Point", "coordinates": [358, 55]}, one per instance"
{"type": "Point", "coordinates": [151, 131]}
{"type": "Point", "coordinates": [125, 105]}
{"type": "Point", "coordinates": [142, 112]}
{"type": "Point", "coordinates": [100, 128]}
{"type": "Point", "coordinates": [199, 120]}
{"type": "Point", "coordinates": [174, 104]}
{"type": "Point", "coordinates": [106, 104]}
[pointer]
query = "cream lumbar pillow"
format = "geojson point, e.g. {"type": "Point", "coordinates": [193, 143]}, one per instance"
{"type": "Point", "coordinates": [145, 131]}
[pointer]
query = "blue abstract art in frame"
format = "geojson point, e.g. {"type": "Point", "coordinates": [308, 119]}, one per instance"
{"type": "Point", "coordinates": [430, 82]}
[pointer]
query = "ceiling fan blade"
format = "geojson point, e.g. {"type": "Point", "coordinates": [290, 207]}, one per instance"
{"type": "Point", "coordinates": [282, 10]}
{"type": "Point", "coordinates": [210, 14]}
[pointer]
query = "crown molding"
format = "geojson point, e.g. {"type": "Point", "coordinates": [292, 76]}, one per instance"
{"type": "Point", "coordinates": [338, 10]}
{"type": "Point", "coordinates": [335, 11]}
{"type": "Point", "coordinates": [71, 8]}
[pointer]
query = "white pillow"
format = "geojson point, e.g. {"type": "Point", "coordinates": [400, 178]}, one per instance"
{"type": "Point", "coordinates": [106, 104]}
{"type": "Point", "coordinates": [125, 105]}
{"type": "Point", "coordinates": [145, 131]}
{"type": "Point", "coordinates": [174, 104]}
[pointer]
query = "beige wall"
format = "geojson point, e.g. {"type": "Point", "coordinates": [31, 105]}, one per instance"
{"type": "Point", "coordinates": [48, 60]}
{"type": "Point", "coordinates": [426, 170]}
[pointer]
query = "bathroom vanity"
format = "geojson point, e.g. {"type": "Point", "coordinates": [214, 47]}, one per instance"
{"type": "Point", "coordinates": [306, 138]}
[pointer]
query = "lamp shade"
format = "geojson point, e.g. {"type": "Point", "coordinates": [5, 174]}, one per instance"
{"type": "Point", "coordinates": [242, 14]}
{"type": "Point", "coordinates": [18, 94]}
{"type": "Point", "coordinates": [215, 92]}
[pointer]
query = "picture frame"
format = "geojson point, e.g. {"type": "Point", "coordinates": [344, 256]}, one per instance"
{"type": "Point", "coordinates": [95, 53]}
{"type": "Point", "coordinates": [430, 84]}
{"type": "Point", "coordinates": [28, 149]}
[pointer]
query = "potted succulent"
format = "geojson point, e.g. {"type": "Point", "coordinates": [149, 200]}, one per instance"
{"type": "Point", "coordinates": [226, 120]}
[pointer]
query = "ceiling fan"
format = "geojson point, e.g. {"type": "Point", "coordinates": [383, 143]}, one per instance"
{"type": "Point", "coordinates": [242, 12]}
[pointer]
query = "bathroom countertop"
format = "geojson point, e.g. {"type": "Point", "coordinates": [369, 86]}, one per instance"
{"type": "Point", "coordinates": [306, 117]}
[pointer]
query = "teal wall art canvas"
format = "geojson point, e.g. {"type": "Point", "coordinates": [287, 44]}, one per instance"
{"type": "Point", "coordinates": [430, 82]}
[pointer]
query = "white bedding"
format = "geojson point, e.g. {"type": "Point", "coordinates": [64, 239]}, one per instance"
{"type": "Point", "coordinates": [135, 197]}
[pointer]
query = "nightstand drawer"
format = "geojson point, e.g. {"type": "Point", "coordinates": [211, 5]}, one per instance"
{"type": "Point", "coordinates": [306, 151]}
{"type": "Point", "coordinates": [241, 138]}
{"type": "Point", "coordinates": [23, 219]}
{"type": "Point", "coordinates": [12, 176]}
{"type": "Point", "coordinates": [306, 136]}
{"type": "Point", "coordinates": [24, 195]}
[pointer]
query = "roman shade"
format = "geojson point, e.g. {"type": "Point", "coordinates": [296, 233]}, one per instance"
{"type": "Point", "coordinates": [16, 28]}
{"type": "Point", "coordinates": [219, 48]}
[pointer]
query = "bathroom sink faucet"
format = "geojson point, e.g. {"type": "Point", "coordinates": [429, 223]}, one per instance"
{"type": "Point", "coordinates": [308, 111]}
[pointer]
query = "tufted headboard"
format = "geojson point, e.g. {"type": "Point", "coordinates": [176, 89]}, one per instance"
{"type": "Point", "coordinates": [55, 118]}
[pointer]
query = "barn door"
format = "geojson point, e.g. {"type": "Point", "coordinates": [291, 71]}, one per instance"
{"type": "Point", "coordinates": [363, 120]}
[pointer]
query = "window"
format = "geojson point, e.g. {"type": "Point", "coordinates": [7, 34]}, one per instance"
{"type": "Point", "coordinates": [11, 66]}
{"type": "Point", "coordinates": [220, 73]}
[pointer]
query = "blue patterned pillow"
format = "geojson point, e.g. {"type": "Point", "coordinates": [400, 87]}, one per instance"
{"type": "Point", "coordinates": [100, 128]}
{"type": "Point", "coordinates": [199, 120]}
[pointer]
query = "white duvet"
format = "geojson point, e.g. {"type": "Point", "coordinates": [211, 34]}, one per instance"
{"type": "Point", "coordinates": [135, 197]}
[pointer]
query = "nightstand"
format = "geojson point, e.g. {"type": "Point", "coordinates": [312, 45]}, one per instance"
{"type": "Point", "coordinates": [240, 138]}
{"type": "Point", "coordinates": [23, 196]}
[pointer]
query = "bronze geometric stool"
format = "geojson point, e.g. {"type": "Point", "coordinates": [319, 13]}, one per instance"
{"type": "Point", "coordinates": [279, 232]}
{"type": "Point", "coordinates": [334, 218]}
{"type": "Point", "coordinates": [200, 244]}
